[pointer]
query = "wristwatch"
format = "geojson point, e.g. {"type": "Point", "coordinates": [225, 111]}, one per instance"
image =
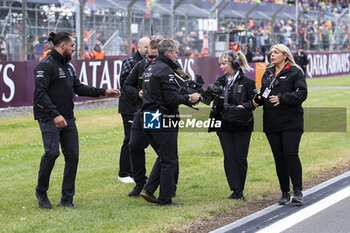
{"type": "Point", "coordinates": [189, 99]}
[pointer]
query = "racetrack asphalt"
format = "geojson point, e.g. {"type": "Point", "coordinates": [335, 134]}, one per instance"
{"type": "Point", "coordinates": [326, 208]}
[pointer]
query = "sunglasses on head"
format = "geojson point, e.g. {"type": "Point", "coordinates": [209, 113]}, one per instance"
{"type": "Point", "coordinates": [151, 56]}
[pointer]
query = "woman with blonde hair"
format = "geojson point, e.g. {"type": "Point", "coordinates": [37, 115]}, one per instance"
{"type": "Point", "coordinates": [232, 94]}
{"type": "Point", "coordinates": [284, 90]}
{"type": "Point", "coordinates": [289, 57]}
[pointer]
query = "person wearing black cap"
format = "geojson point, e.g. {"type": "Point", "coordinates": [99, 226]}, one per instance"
{"type": "Point", "coordinates": [247, 53]}
{"type": "Point", "coordinates": [301, 59]}
{"type": "Point", "coordinates": [55, 86]}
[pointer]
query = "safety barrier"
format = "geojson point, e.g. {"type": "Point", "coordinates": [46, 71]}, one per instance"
{"type": "Point", "coordinates": [17, 78]}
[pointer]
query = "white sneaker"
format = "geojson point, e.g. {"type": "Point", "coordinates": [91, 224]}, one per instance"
{"type": "Point", "coordinates": [126, 180]}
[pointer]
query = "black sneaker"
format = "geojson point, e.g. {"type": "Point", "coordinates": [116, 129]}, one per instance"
{"type": "Point", "coordinates": [67, 204]}
{"type": "Point", "coordinates": [136, 191]}
{"type": "Point", "coordinates": [237, 195]}
{"type": "Point", "coordinates": [297, 197]}
{"type": "Point", "coordinates": [44, 202]}
{"type": "Point", "coordinates": [172, 203]}
{"type": "Point", "coordinates": [285, 199]}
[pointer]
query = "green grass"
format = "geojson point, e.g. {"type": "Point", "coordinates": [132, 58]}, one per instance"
{"type": "Point", "coordinates": [103, 204]}
{"type": "Point", "coordinates": [332, 81]}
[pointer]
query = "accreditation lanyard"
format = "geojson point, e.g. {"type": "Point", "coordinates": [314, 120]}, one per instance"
{"type": "Point", "coordinates": [271, 84]}
{"type": "Point", "coordinates": [227, 87]}
{"type": "Point", "coordinates": [267, 91]}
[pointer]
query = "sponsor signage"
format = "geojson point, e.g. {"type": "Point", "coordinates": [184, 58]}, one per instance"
{"type": "Point", "coordinates": [17, 78]}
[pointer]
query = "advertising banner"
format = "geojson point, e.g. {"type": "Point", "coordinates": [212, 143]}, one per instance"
{"type": "Point", "coordinates": [327, 64]}
{"type": "Point", "coordinates": [17, 78]}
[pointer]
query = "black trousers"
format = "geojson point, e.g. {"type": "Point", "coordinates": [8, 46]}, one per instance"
{"type": "Point", "coordinates": [137, 144]}
{"type": "Point", "coordinates": [235, 146]}
{"type": "Point", "coordinates": [68, 138]}
{"type": "Point", "coordinates": [164, 143]}
{"type": "Point", "coordinates": [124, 160]}
{"type": "Point", "coordinates": [285, 148]}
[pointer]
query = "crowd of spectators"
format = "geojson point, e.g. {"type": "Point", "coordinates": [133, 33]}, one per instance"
{"type": "Point", "coordinates": [312, 35]}
{"type": "Point", "coordinates": [329, 6]}
{"type": "Point", "coordinates": [260, 36]}
{"type": "Point", "coordinates": [3, 50]}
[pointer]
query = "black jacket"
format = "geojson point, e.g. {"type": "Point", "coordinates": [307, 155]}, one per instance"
{"type": "Point", "coordinates": [248, 55]}
{"type": "Point", "coordinates": [241, 92]}
{"type": "Point", "coordinates": [301, 60]}
{"type": "Point", "coordinates": [291, 89]}
{"type": "Point", "coordinates": [159, 88]}
{"type": "Point", "coordinates": [55, 85]}
{"type": "Point", "coordinates": [133, 83]}
{"type": "Point", "coordinates": [126, 104]}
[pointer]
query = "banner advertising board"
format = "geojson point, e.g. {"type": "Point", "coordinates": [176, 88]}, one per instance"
{"type": "Point", "coordinates": [17, 78]}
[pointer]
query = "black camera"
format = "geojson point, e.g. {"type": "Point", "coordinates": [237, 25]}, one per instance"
{"type": "Point", "coordinates": [215, 89]}
{"type": "Point", "coordinates": [258, 97]}
{"type": "Point", "coordinates": [188, 86]}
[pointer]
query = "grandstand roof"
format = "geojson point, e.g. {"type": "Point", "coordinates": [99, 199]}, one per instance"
{"type": "Point", "coordinates": [203, 9]}
{"type": "Point", "coordinates": [46, 2]}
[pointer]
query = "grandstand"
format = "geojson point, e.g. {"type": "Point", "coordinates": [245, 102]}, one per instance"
{"type": "Point", "coordinates": [313, 25]}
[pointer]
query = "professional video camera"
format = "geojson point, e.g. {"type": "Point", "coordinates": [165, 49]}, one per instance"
{"type": "Point", "coordinates": [215, 89]}
{"type": "Point", "coordinates": [188, 86]}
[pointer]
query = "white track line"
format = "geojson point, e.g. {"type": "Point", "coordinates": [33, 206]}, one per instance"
{"type": "Point", "coordinates": [276, 206]}
{"type": "Point", "coordinates": [303, 214]}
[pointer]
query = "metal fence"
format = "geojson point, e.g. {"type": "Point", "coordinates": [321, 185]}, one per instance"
{"type": "Point", "coordinates": [116, 24]}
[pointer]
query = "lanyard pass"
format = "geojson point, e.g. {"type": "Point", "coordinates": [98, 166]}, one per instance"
{"type": "Point", "coordinates": [266, 93]}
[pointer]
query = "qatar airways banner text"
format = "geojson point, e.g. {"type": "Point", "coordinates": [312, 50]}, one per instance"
{"type": "Point", "coordinates": [17, 78]}
{"type": "Point", "coordinates": [328, 64]}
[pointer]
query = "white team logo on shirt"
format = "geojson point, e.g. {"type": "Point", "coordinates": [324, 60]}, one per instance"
{"type": "Point", "coordinates": [61, 73]}
{"type": "Point", "coordinates": [40, 74]}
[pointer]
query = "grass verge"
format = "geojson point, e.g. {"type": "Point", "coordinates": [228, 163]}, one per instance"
{"type": "Point", "coordinates": [103, 204]}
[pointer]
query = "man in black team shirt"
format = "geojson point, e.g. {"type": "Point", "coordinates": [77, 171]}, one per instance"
{"type": "Point", "coordinates": [127, 108]}
{"type": "Point", "coordinates": [138, 141]}
{"type": "Point", "coordinates": [55, 85]}
{"type": "Point", "coordinates": [160, 95]}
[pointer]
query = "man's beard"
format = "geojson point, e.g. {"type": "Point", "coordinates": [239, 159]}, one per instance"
{"type": "Point", "coordinates": [67, 55]}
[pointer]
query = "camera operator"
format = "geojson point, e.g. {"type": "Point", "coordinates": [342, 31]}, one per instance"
{"type": "Point", "coordinates": [284, 90]}
{"type": "Point", "coordinates": [233, 93]}
{"type": "Point", "coordinates": [160, 95]}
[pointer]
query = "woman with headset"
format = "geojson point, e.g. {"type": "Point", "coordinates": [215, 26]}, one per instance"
{"type": "Point", "coordinates": [232, 94]}
{"type": "Point", "coordinates": [284, 90]}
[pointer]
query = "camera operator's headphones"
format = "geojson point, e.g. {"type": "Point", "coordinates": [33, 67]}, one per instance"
{"type": "Point", "coordinates": [236, 63]}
